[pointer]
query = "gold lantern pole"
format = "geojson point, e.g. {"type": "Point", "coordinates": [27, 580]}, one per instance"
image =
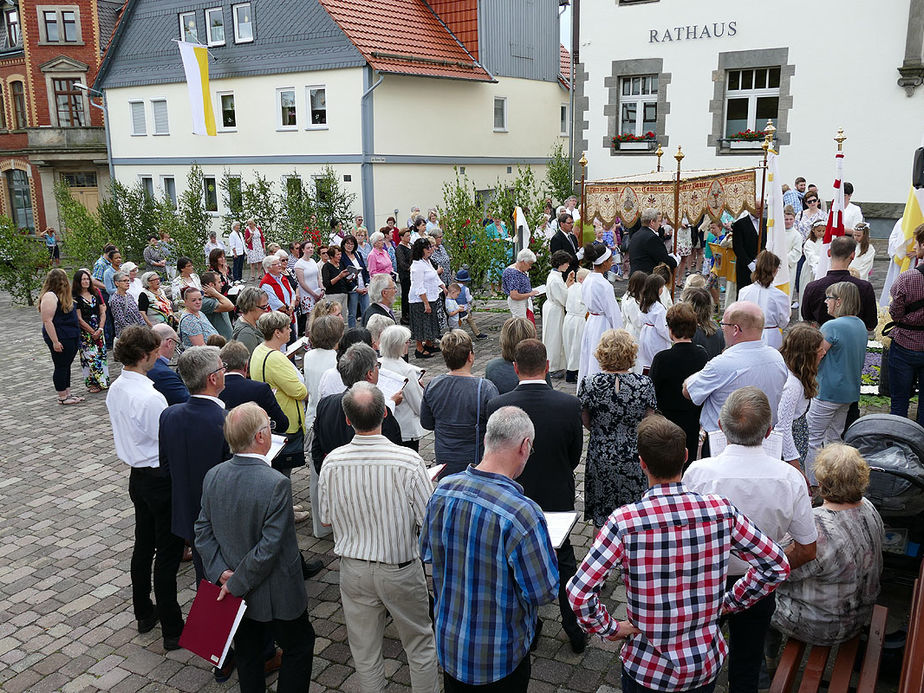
{"type": "Point", "coordinates": [766, 145]}
{"type": "Point", "coordinates": [659, 154]}
{"type": "Point", "coordinates": [583, 163]}
{"type": "Point", "coordinates": [679, 156]}
{"type": "Point", "coordinates": [840, 138]}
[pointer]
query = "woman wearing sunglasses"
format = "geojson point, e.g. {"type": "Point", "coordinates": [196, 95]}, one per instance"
{"type": "Point", "coordinates": [810, 214]}
{"type": "Point", "coordinates": [252, 302]}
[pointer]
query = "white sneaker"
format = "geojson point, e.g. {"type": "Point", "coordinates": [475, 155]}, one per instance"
{"type": "Point", "coordinates": [302, 516]}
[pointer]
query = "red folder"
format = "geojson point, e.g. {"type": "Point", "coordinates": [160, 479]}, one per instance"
{"type": "Point", "coordinates": [211, 624]}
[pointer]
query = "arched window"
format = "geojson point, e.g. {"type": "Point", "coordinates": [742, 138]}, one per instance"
{"type": "Point", "coordinates": [19, 105]}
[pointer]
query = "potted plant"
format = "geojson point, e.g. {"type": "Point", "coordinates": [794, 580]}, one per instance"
{"type": "Point", "coordinates": [630, 142]}
{"type": "Point", "coordinates": [745, 139]}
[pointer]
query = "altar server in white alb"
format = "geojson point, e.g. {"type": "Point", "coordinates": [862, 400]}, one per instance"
{"type": "Point", "coordinates": [573, 326]}
{"type": "Point", "coordinates": [603, 310]}
{"type": "Point", "coordinates": [772, 301]}
{"type": "Point", "coordinates": [553, 310]}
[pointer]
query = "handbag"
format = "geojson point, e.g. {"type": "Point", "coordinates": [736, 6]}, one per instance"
{"type": "Point", "coordinates": [293, 452]}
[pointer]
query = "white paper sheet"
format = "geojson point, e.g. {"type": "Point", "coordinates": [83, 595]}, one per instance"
{"type": "Point", "coordinates": [296, 345]}
{"type": "Point", "coordinates": [540, 290]}
{"type": "Point", "coordinates": [276, 447]}
{"type": "Point", "coordinates": [560, 526]}
{"type": "Point", "coordinates": [390, 383]}
{"type": "Point", "coordinates": [773, 444]}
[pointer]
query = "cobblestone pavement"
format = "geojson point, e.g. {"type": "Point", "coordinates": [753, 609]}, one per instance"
{"type": "Point", "coordinates": [66, 536]}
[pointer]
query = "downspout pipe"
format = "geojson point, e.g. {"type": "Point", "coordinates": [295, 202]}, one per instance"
{"type": "Point", "coordinates": [367, 179]}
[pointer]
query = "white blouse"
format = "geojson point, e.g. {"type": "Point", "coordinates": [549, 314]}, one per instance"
{"type": "Point", "coordinates": [424, 280]}
{"type": "Point", "coordinates": [311, 276]}
{"type": "Point", "coordinates": [655, 337]}
{"type": "Point", "coordinates": [793, 404]}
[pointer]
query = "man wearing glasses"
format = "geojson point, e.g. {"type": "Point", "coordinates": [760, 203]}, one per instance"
{"type": "Point", "coordinates": [166, 382]}
{"type": "Point", "coordinates": [745, 362]}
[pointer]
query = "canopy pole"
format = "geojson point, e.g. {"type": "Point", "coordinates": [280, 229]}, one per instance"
{"type": "Point", "coordinates": [765, 145]}
{"type": "Point", "coordinates": [583, 163]}
{"type": "Point", "coordinates": [679, 157]}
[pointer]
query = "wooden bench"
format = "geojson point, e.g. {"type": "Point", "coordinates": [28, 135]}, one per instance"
{"type": "Point", "coordinates": [812, 678]}
{"type": "Point", "coordinates": [912, 678]}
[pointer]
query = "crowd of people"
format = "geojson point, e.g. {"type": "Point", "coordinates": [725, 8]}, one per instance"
{"type": "Point", "coordinates": [682, 414]}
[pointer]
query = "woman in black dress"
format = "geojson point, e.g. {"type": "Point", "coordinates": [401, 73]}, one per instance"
{"type": "Point", "coordinates": [708, 335]}
{"type": "Point", "coordinates": [671, 367]}
{"type": "Point", "coordinates": [403, 256]}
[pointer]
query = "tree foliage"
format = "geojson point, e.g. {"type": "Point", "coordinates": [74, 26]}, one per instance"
{"type": "Point", "coordinates": [558, 182]}
{"type": "Point", "coordinates": [194, 222]}
{"type": "Point", "coordinates": [330, 200]}
{"type": "Point", "coordinates": [23, 262]}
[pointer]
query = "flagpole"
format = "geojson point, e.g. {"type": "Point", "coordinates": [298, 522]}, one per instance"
{"type": "Point", "coordinates": [583, 163]}
{"type": "Point", "coordinates": [659, 154]}
{"type": "Point", "coordinates": [679, 157]}
{"type": "Point", "coordinates": [767, 144]}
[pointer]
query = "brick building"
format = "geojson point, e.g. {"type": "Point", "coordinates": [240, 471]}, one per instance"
{"type": "Point", "coordinates": [48, 130]}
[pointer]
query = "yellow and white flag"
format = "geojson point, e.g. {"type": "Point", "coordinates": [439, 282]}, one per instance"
{"type": "Point", "coordinates": [912, 217]}
{"type": "Point", "coordinates": [777, 243]}
{"type": "Point", "coordinates": [196, 67]}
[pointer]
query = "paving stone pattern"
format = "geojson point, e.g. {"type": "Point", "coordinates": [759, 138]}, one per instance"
{"type": "Point", "coordinates": [66, 534]}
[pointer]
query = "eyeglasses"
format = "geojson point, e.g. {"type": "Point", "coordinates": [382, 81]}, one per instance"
{"type": "Point", "coordinates": [531, 446]}
{"type": "Point", "coordinates": [831, 298]}
{"type": "Point", "coordinates": [271, 426]}
{"type": "Point", "coordinates": [809, 202]}
{"type": "Point", "coordinates": [221, 369]}
{"type": "Point", "coordinates": [728, 324]}
{"type": "Point", "coordinates": [265, 308]}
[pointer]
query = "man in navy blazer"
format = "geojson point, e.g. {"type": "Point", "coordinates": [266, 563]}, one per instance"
{"type": "Point", "coordinates": [239, 388]}
{"type": "Point", "coordinates": [646, 248]}
{"type": "Point", "coordinates": [192, 439]}
{"type": "Point", "coordinates": [166, 382]}
{"type": "Point", "coordinates": [548, 477]}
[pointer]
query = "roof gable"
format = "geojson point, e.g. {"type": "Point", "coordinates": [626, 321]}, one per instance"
{"type": "Point", "coordinates": [564, 75]}
{"type": "Point", "coordinates": [405, 37]}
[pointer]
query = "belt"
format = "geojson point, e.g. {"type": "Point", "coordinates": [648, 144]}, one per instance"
{"type": "Point", "coordinates": [597, 314]}
{"type": "Point", "coordinates": [397, 565]}
{"type": "Point", "coordinates": [150, 471]}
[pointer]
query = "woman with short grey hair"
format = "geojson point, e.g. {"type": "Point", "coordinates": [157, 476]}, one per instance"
{"type": "Point", "coordinates": [379, 261]}
{"type": "Point", "coordinates": [516, 285]}
{"type": "Point", "coordinates": [376, 325]}
{"type": "Point", "coordinates": [122, 305]}
{"type": "Point", "coordinates": [153, 302]}
{"type": "Point", "coordinates": [393, 344]}
{"type": "Point", "coordinates": [251, 304]}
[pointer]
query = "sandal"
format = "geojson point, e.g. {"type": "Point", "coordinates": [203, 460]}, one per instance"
{"type": "Point", "coordinates": [93, 390]}
{"type": "Point", "coordinates": [70, 399]}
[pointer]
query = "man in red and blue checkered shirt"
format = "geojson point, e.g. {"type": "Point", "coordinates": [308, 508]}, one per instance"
{"type": "Point", "coordinates": [673, 548]}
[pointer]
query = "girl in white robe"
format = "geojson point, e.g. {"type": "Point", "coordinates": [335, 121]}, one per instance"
{"type": "Point", "coordinates": [654, 337]}
{"type": "Point", "coordinates": [812, 250]}
{"type": "Point", "coordinates": [630, 311]}
{"type": "Point", "coordinates": [573, 326]}
{"type": "Point", "coordinates": [600, 299]}
{"type": "Point", "coordinates": [774, 303]}
{"type": "Point", "coordinates": [553, 312]}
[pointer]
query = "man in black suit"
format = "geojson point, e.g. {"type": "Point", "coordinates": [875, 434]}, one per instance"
{"type": "Point", "coordinates": [646, 247]}
{"type": "Point", "coordinates": [166, 382]}
{"type": "Point", "coordinates": [331, 429]}
{"type": "Point", "coordinates": [239, 388]}
{"type": "Point", "coordinates": [745, 235]}
{"type": "Point", "coordinates": [548, 477]}
{"type": "Point", "coordinates": [192, 439]}
{"type": "Point", "coordinates": [564, 239]}
{"type": "Point", "coordinates": [382, 292]}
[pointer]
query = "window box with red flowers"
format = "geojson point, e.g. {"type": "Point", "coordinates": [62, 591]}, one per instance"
{"type": "Point", "coordinates": [745, 139]}
{"type": "Point", "coordinates": [629, 142]}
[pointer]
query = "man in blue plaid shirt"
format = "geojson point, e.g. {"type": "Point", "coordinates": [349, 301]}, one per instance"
{"type": "Point", "coordinates": [487, 607]}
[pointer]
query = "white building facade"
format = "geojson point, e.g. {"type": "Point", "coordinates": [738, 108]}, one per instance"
{"type": "Point", "coordinates": [697, 74]}
{"type": "Point", "coordinates": [393, 125]}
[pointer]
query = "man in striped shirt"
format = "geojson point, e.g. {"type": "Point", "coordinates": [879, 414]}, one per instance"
{"type": "Point", "coordinates": [374, 494]}
{"type": "Point", "coordinates": [493, 563]}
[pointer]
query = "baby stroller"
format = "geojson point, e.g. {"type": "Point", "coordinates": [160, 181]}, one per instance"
{"type": "Point", "coordinates": [894, 448]}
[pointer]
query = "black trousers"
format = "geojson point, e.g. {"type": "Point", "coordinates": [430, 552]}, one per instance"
{"type": "Point", "coordinates": [412, 444]}
{"type": "Point", "coordinates": [567, 567]}
{"type": "Point", "coordinates": [295, 637]}
{"type": "Point", "coordinates": [149, 490]}
{"type": "Point", "coordinates": [405, 292]}
{"type": "Point", "coordinates": [237, 268]}
{"type": "Point", "coordinates": [62, 361]}
{"type": "Point", "coordinates": [747, 631]}
{"type": "Point", "coordinates": [516, 681]}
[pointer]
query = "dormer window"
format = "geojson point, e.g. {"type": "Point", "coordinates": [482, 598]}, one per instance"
{"type": "Point", "coordinates": [11, 21]}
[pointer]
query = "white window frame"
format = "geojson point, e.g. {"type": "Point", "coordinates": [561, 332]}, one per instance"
{"type": "Point", "coordinates": [237, 34]}
{"type": "Point", "coordinates": [279, 126]}
{"type": "Point", "coordinates": [163, 186]}
{"type": "Point", "coordinates": [219, 120]}
{"type": "Point", "coordinates": [563, 117]}
{"type": "Point", "coordinates": [493, 114]}
{"type": "Point", "coordinates": [751, 95]}
{"type": "Point", "coordinates": [142, 177]}
{"type": "Point", "coordinates": [640, 100]}
{"type": "Point", "coordinates": [155, 131]}
{"type": "Point", "coordinates": [217, 211]}
{"type": "Point", "coordinates": [208, 26]}
{"type": "Point", "coordinates": [183, 27]}
{"type": "Point", "coordinates": [131, 116]}
{"type": "Point", "coordinates": [311, 125]}
{"type": "Point", "coordinates": [285, 182]}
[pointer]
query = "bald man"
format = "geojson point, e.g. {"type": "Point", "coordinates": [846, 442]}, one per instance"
{"type": "Point", "coordinates": [745, 361]}
{"type": "Point", "coordinates": [166, 381]}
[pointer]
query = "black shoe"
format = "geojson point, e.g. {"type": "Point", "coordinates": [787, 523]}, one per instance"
{"type": "Point", "coordinates": [432, 348]}
{"type": "Point", "coordinates": [535, 643]}
{"type": "Point", "coordinates": [422, 354]}
{"type": "Point", "coordinates": [578, 643]}
{"type": "Point", "coordinates": [571, 376]}
{"type": "Point", "coordinates": [146, 624]}
{"type": "Point", "coordinates": [223, 674]}
{"type": "Point", "coordinates": [481, 336]}
{"type": "Point", "coordinates": [311, 568]}
{"type": "Point", "coordinates": [172, 643]}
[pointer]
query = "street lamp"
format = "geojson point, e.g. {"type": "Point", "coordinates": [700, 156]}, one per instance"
{"type": "Point", "coordinates": [105, 109]}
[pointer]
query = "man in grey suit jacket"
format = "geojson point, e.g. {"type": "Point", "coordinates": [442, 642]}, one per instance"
{"type": "Point", "coordinates": [245, 535]}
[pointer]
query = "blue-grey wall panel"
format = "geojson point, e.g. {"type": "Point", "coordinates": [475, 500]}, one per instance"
{"type": "Point", "coordinates": [519, 38]}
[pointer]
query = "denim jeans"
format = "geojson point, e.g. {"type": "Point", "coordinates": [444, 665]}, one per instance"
{"type": "Point", "coordinates": [237, 268]}
{"type": "Point", "coordinates": [357, 304]}
{"type": "Point", "coordinates": [630, 685]}
{"type": "Point", "coordinates": [905, 367]}
{"type": "Point", "coordinates": [747, 631]}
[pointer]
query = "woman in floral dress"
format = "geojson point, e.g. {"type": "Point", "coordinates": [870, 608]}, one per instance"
{"type": "Point", "coordinates": [613, 402]}
{"type": "Point", "coordinates": [92, 317]}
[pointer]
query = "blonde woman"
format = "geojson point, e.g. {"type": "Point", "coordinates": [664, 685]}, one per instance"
{"type": "Point", "coordinates": [61, 331]}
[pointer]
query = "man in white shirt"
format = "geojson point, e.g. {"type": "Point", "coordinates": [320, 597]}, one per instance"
{"type": "Point", "coordinates": [745, 361]}
{"type": "Point", "coordinates": [134, 411]}
{"type": "Point", "coordinates": [214, 243]}
{"type": "Point", "coordinates": [853, 215]}
{"type": "Point", "coordinates": [238, 252]}
{"type": "Point", "coordinates": [773, 495]}
{"type": "Point", "coordinates": [374, 494]}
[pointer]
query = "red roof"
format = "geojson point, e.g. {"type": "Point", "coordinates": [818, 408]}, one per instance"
{"type": "Point", "coordinates": [405, 37]}
{"type": "Point", "coordinates": [461, 16]}
{"type": "Point", "coordinates": [565, 67]}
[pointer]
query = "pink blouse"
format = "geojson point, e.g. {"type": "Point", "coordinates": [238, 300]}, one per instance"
{"type": "Point", "coordinates": [379, 262]}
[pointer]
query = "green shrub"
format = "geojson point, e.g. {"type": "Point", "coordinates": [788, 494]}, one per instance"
{"type": "Point", "coordinates": [23, 263]}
